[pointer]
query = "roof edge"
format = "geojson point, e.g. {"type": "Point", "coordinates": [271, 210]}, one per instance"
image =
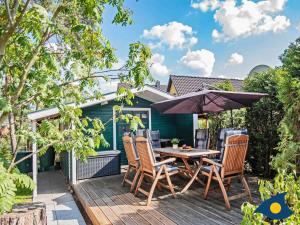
{"type": "Point", "coordinates": [212, 78]}
{"type": "Point", "coordinates": [48, 112]}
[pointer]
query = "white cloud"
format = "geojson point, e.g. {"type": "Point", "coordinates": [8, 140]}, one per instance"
{"type": "Point", "coordinates": [201, 60]}
{"type": "Point", "coordinates": [173, 34]}
{"type": "Point", "coordinates": [206, 5]}
{"type": "Point", "coordinates": [193, 41]}
{"type": "Point", "coordinates": [245, 19]}
{"type": "Point", "coordinates": [235, 59]}
{"type": "Point", "coordinates": [157, 65]}
{"type": "Point", "coordinates": [108, 86]}
{"type": "Point", "coordinates": [118, 64]}
{"type": "Point", "coordinates": [272, 5]}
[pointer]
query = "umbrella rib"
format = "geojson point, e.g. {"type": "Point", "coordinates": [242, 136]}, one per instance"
{"type": "Point", "coordinates": [212, 100]}
{"type": "Point", "coordinates": [236, 101]}
{"type": "Point", "coordinates": [219, 96]}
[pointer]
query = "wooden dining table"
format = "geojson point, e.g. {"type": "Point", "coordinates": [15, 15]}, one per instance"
{"type": "Point", "coordinates": [185, 156]}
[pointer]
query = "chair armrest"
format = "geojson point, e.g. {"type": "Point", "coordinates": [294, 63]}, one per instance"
{"type": "Point", "coordinates": [165, 161]}
{"type": "Point", "coordinates": [211, 162]}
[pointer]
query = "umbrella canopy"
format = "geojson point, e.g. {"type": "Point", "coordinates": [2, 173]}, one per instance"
{"type": "Point", "coordinates": [207, 101]}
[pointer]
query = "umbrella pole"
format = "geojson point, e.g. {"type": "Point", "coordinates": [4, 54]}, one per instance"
{"type": "Point", "coordinates": [206, 117]}
{"type": "Point", "coordinates": [231, 117]}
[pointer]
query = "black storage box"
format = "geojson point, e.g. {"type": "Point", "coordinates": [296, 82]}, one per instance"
{"type": "Point", "coordinates": [105, 163]}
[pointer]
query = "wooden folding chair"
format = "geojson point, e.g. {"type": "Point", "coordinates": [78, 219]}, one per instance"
{"type": "Point", "coordinates": [154, 170]}
{"type": "Point", "coordinates": [133, 162]}
{"type": "Point", "coordinates": [232, 167]}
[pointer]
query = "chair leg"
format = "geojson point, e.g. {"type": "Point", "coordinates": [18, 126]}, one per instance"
{"type": "Point", "coordinates": [159, 187]}
{"type": "Point", "coordinates": [208, 184]}
{"type": "Point", "coordinates": [222, 188]}
{"type": "Point", "coordinates": [228, 184]}
{"type": "Point", "coordinates": [135, 179]}
{"type": "Point", "coordinates": [153, 186]}
{"type": "Point", "coordinates": [169, 182]}
{"type": "Point", "coordinates": [126, 175]}
{"type": "Point", "coordinates": [246, 186]}
{"type": "Point", "coordinates": [139, 183]}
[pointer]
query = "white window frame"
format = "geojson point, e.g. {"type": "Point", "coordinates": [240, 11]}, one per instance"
{"type": "Point", "coordinates": [128, 109]}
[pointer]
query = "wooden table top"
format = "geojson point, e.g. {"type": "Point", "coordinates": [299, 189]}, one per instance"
{"type": "Point", "coordinates": [181, 153]}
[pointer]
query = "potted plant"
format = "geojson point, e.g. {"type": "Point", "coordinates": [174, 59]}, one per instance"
{"type": "Point", "coordinates": [175, 142]}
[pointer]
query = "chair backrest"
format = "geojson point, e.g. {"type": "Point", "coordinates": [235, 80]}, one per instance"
{"type": "Point", "coordinates": [130, 151]}
{"type": "Point", "coordinates": [234, 155]}
{"type": "Point", "coordinates": [154, 138]}
{"type": "Point", "coordinates": [146, 155]}
{"type": "Point", "coordinates": [140, 133]}
{"type": "Point", "coordinates": [223, 133]}
{"type": "Point", "coordinates": [202, 138]}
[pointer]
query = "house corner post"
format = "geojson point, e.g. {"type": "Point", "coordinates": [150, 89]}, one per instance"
{"type": "Point", "coordinates": [34, 161]}
{"type": "Point", "coordinates": [73, 163]}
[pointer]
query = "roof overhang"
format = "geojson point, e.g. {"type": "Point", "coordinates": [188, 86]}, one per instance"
{"type": "Point", "coordinates": [147, 92]}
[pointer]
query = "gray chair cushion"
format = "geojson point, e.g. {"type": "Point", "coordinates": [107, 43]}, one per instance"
{"type": "Point", "coordinates": [155, 139]}
{"type": "Point", "coordinates": [169, 168]}
{"type": "Point", "coordinates": [131, 134]}
{"type": "Point", "coordinates": [201, 138]}
{"type": "Point", "coordinates": [208, 168]}
{"type": "Point", "coordinates": [141, 133]}
{"type": "Point", "coordinates": [148, 136]}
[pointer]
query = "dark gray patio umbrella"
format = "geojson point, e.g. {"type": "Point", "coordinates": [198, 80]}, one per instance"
{"type": "Point", "coordinates": [206, 101]}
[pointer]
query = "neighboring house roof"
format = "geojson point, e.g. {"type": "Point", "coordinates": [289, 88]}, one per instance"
{"type": "Point", "coordinates": [123, 85]}
{"type": "Point", "coordinates": [187, 84]}
{"type": "Point", "coordinates": [147, 92]}
{"type": "Point", "coordinates": [159, 86]}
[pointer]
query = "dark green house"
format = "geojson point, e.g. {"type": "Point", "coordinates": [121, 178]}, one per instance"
{"type": "Point", "coordinates": [170, 126]}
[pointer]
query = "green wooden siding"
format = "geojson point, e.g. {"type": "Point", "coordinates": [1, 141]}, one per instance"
{"type": "Point", "coordinates": [170, 126]}
{"type": "Point", "coordinates": [105, 114]}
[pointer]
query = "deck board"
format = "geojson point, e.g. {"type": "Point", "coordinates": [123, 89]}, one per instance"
{"type": "Point", "coordinates": [107, 202]}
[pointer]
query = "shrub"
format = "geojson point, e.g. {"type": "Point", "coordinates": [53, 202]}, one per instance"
{"type": "Point", "coordinates": [9, 182]}
{"type": "Point", "coordinates": [283, 182]}
{"type": "Point", "coordinates": [289, 95]}
{"type": "Point", "coordinates": [262, 121]}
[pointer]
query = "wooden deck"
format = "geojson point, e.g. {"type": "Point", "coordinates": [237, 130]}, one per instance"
{"type": "Point", "coordinates": [107, 202]}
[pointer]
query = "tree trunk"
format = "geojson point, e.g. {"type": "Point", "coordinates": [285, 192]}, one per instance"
{"type": "Point", "coordinates": [25, 214]}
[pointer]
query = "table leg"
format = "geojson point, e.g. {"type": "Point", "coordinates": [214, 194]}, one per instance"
{"type": "Point", "coordinates": [194, 177]}
{"type": "Point", "coordinates": [187, 166]}
{"type": "Point", "coordinates": [189, 170]}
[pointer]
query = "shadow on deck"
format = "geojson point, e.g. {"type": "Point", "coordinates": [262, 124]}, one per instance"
{"type": "Point", "coordinates": [107, 202]}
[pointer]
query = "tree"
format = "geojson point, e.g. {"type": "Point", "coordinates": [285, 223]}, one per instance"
{"type": "Point", "coordinates": [53, 53]}
{"type": "Point", "coordinates": [225, 85]}
{"type": "Point", "coordinates": [289, 95]}
{"type": "Point", "coordinates": [262, 121]}
{"type": "Point", "coordinates": [286, 180]}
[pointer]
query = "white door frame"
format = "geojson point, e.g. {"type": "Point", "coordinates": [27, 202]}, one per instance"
{"type": "Point", "coordinates": [128, 109]}
{"type": "Point", "coordinates": [195, 126]}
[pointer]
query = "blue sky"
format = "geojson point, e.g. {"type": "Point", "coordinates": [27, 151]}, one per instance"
{"type": "Point", "coordinates": [183, 40]}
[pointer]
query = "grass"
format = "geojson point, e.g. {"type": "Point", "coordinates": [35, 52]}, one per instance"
{"type": "Point", "coordinates": [23, 195]}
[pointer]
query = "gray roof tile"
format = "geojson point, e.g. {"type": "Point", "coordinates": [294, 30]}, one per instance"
{"type": "Point", "coordinates": [187, 84]}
